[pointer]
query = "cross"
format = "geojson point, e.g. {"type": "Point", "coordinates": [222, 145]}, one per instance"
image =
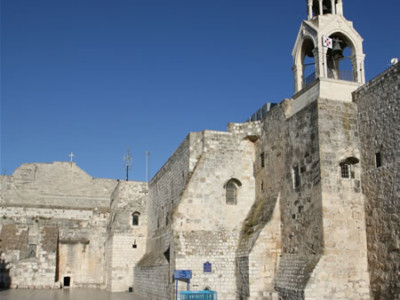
{"type": "Point", "coordinates": [71, 155]}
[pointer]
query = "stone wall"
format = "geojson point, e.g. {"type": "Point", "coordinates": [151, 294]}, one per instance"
{"type": "Point", "coordinates": [206, 228]}
{"type": "Point", "coordinates": [287, 170]}
{"type": "Point", "coordinates": [153, 282]}
{"type": "Point", "coordinates": [165, 190]}
{"type": "Point", "coordinates": [61, 197]}
{"type": "Point", "coordinates": [379, 120]}
{"type": "Point", "coordinates": [58, 184]}
{"type": "Point", "coordinates": [127, 233]}
{"type": "Point", "coordinates": [321, 214]}
{"type": "Point", "coordinates": [343, 269]}
{"type": "Point", "coordinates": [30, 255]}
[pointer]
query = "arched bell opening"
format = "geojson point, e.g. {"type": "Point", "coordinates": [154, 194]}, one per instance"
{"type": "Point", "coordinates": [324, 7]}
{"type": "Point", "coordinates": [340, 59]}
{"type": "Point", "coordinates": [308, 62]}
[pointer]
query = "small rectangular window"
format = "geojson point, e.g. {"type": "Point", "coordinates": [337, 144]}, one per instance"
{"type": "Point", "coordinates": [378, 159]}
{"type": "Point", "coordinates": [32, 250]}
{"type": "Point", "coordinates": [345, 170]}
{"type": "Point", "coordinates": [135, 219]}
{"type": "Point", "coordinates": [296, 176]}
{"type": "Point", "coordinates": [262, 160]}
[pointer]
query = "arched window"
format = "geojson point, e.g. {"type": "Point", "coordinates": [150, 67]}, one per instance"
{"type": "Point", "coordinates": [135, 218]}
{"type": "Point", "coordinates": [231, 191]}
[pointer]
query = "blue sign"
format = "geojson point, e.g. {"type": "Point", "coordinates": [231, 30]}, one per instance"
{"type": "Point", "coordinates": [207, 267]}
{"type": "Point", "coordinates": [182, 274]}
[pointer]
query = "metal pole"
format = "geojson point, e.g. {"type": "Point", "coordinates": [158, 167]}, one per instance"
{"type": "Point", "coordinates": [176, 289]}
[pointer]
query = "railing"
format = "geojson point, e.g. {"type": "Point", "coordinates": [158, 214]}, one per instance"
{"type": "Point", "coordinates": [332, 74]}
{"type": "Point", "coordinates": [198, 295]}
{"type": "Point", "coordinates": [309, 79]}
{"type": "Point", "coordinates": [341, 74]}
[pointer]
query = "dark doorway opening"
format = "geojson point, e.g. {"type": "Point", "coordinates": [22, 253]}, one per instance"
{"type": "Point", "coordinates": [67, 281]}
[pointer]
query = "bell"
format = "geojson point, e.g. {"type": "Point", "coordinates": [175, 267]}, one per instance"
{"type": "Point", "coordinates": [337, 51]}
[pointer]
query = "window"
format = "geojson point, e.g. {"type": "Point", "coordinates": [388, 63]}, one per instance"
{"type": "Point", "coordinates": [231, 191]}
{"type": "Point", "coordinates": [296, 176]}
{"type": "Point", "coordinates": [135, 218]}
{"type": "Point", "coordinates": [262, 160]}
{"type": "Point", "coordinates": [31, 250]}
{"type": "Point", "coordinates": [345, 170]}
{"type": "Point", "coordinates": [378, 159]}
{"type": "Point", "coordinates": [347, 167]}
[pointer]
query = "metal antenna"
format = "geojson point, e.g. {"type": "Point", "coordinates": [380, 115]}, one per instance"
{"type": "Point", "coordinates": [148, 153]}
{"type": "Point", "coordinates": [128, 160]}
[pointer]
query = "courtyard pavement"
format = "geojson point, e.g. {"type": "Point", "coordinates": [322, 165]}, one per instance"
{"type": "Point", "coordinates": [65, 294]}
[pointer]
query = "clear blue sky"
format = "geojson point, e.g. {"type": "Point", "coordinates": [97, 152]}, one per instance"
{"type": "Point", "coordinates": [95, 76]}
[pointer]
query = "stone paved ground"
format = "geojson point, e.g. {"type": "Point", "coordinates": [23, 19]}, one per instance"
{"type": "Point", "coordinates": [65, 294]}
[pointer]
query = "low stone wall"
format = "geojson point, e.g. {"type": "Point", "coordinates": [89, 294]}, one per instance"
{"type": "Point", "coordinates": [152, 282]}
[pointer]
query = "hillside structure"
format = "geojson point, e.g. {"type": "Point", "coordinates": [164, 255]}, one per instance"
{"type": "Point", "coordinates": [301, 202]}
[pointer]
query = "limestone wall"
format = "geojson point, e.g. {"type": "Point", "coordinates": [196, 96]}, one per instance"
{"type": "Point", "coordinates": [58, 184]}
{"type": "Point", "coordinates": [206, 228]}
{"type": "Point", "coordinates": [379, 121]}
{"type": "Point", "coordinates": [63, 197]}
{"type": "Point", "coordinates": [287, 172]}
{"type": "Point", "coordinates": [126, 241]}
{"type": "Point", "coordinates": [153, 282]}
{"type": "Point", "coordinates": [342, 272]}
{"type": "Point", "coordinates": [165, 190]}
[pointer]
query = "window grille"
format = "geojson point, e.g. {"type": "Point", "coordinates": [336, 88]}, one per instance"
{"type": "Point", "coordinates": [262, 160]}
{"type": "Point", "coordinates": [345, 170]}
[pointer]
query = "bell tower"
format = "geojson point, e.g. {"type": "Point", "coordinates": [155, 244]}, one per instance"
{"type": "Point", "coordinates": [328, 50]}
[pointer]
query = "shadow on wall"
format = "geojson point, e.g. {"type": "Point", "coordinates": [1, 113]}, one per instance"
{"type": "Point", "coordinates": [5, 279]}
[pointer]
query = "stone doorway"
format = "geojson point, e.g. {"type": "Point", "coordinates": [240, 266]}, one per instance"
{"type": "Point", "coordinates": [67, 282]}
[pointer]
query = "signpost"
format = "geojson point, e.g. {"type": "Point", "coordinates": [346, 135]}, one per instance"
{"type": "Point", "coordinates": [184, 275]}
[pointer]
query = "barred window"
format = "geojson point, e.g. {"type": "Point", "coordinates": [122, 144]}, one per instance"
{"type": "Point", "coordinates": [347, 167]}
{"type": "Point", "coordinates": [262, 160]}
{"type": "Point", "coordinates": [345, 170]}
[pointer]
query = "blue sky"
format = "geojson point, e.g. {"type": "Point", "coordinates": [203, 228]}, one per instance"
{"type": "Point", "coordinates": [95, 77]}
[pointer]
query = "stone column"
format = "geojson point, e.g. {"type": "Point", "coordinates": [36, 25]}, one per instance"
{"type": "Point", "coordinates": [310, 11]}
{"type": "Point", "coordinates": [333, 7]}
{"type": "Point", "coordinates": [321, 7]}
{"type": "Point", "coordinates": [298, 79]}
{"type": "Point", "coordinates": [339, 8]}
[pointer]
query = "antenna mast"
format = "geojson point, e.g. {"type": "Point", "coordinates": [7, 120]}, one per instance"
{"type": "Point", "coordinates": [148, 153]}
{"type": "Point", "coordinates": [128, 160]}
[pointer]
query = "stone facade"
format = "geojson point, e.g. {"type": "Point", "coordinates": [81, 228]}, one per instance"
{"type": "Point", "coordinates": [379, 121]}
{"type": "Point", "coordinates": [301, 202]}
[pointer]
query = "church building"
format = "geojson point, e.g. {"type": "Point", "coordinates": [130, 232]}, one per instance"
{"type": "Point", "coordinates": [301, 202]}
